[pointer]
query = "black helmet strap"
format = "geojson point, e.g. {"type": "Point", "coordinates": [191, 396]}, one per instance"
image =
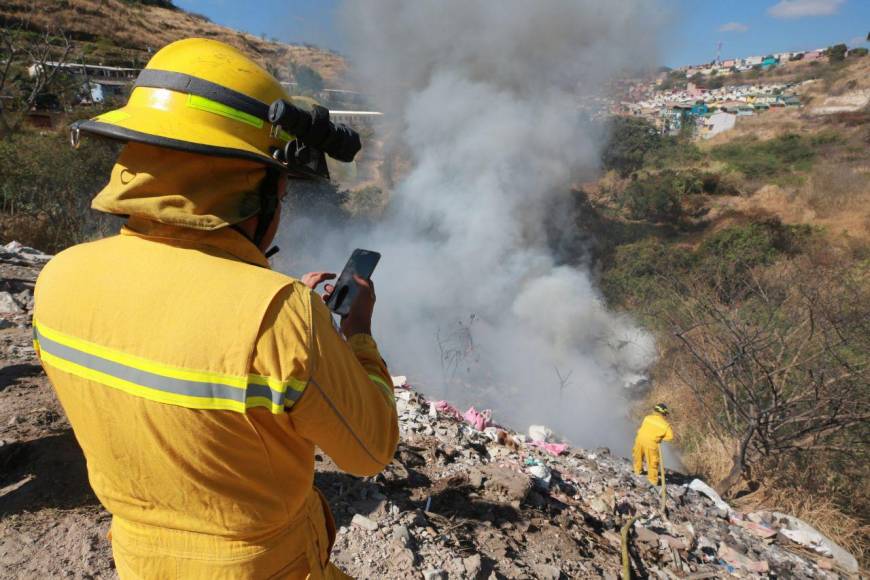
{"type": "Point", "coordinates": [268, 203]}
{"type": "Point", "coordinates": [268, 207]}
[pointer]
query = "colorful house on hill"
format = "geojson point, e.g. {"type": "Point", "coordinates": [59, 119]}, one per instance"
{"type": "Point", "coordinates": [718, 122]}
{"type": "Point", "coordinates": [699, 109]}
{"type": "Point", "coordinates": [769, 62]}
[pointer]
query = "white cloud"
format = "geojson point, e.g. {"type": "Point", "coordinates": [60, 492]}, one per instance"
{"type": "Point", "coordinates": [801, 8]}
{"type": "Point", "coordinates": [733, 27]}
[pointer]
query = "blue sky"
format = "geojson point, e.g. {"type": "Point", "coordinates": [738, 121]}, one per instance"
{"type": "Point", "coordinates": [745, 27]}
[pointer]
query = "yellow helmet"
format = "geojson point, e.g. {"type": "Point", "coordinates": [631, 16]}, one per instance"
{"type": "Point", "coordinates": [203, 96]}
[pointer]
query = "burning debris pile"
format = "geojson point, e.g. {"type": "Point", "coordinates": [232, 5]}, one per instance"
{"type": "Point", "coordinates": [466, 498]}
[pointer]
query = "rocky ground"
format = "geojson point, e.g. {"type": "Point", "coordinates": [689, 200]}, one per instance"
{"type": "Point", "coordinates": [463, 499]}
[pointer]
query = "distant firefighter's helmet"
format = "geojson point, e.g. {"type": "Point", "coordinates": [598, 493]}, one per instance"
{"type": "Point", "coordinates": [662, 408]}
{"type": "Point", "coordinates": [203, 96]}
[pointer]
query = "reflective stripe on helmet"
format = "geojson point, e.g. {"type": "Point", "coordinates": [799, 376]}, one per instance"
{"type": "Point", "coordinates": [204, 104]}
{"type": "Point", "coordinates": [163, 383]}
{"type": "Point", "coordinates": [184, 83]}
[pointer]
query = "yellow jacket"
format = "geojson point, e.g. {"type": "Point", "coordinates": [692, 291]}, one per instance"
{"type": "Point", "coordinates": [198, 382]}
{"type": "Point", "coordinates": [654, 430]}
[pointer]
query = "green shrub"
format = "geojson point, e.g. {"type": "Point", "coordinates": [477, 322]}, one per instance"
{"type": "Point", "coordinates": [726, 257]}
{"type": "Point", "coordinates": [46, 187]}
{"type": "Point", "coordinates": [631, 138]}
{"type": "Point", "coordinates": [837, 53]}
{"type": "Point", "coordinates": [657, 196]}
{"type": "Point", "coordinates": [633, 274]}
{"type": "Point", "coordinates": [761, 159]}
{"type": "Point", "coordinates": [650, 200]}
{"type": "Point", "coordinates": [674, 151]}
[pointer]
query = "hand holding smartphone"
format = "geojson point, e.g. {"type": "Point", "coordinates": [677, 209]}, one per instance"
{"type": "Point", "coordinates": [362, 264]}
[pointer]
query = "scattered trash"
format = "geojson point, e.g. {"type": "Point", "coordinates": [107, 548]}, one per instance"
{"type": "Point", "coordinates": [551, 448]}
{"type": "Point", "coordinates": [542, 475]}
{"type": "Point", "coordinates": [705, 489]}
{"type": "Point", "coordinates": [804, 534]}
{"type": "Point", "coordinates": [739, 561]}
{"type": "Point", "coordinates": [364, 522]}
{"type": "Point", "coordinates": [480, 420]}
{"type": "Point", "coordinates": [540, 433]}
{"type": "Point", "coordinates": [446, 408]}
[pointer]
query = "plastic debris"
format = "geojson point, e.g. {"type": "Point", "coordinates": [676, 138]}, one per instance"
{"type": "Point", "coordinates": [445, 408]}
{"type": "Point", "coordinates": [540, 433]}
{"type": "Point", "coordinates": [542, 475]}
{"type": "Point", "coordinates": [551, 448]}
{"type": "Point", "coordinates": [804, 534]}
{"type": "Point", "coordinates": [705, 489]}
{"type": "Point", "coordinates": [480, 420]}
{"type": "Point", "coordinates": [739, 561]}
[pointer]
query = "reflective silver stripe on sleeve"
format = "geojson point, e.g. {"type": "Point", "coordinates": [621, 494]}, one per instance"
{"type": "Point", "coordinates": [172, 385]}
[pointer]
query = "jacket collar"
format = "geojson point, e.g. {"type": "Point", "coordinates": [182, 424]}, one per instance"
{"type": "Point", "coordinates": [225, 239]}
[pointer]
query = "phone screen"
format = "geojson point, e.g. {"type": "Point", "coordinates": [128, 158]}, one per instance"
{"type": "Point", "coordinates": [361, 263]}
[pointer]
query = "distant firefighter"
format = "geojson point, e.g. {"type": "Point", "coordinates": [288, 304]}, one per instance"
{"type": "Point", "coordinates": [654, 429]}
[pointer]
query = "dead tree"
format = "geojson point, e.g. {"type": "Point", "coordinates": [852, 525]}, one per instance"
{"type": "Point", "coordinates": [787, 362]}
{"type": "Point", "coordinates": [30, 67]}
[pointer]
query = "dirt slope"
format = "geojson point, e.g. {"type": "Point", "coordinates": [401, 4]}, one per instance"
{"type": "Point", "coordinates": [125, 33]}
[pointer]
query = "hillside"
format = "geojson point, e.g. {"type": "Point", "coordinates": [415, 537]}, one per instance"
{"type": "Point", "coordinates": [463, 498]}
{"type": "Point", "coordinates": [742, 253]}
{"type": "Point", "coordinates": [125, 33]}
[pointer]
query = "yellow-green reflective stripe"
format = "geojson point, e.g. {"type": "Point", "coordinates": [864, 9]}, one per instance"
{"type": "Point", "coordinates": [204, 104]}
{"type": "Point", "coordinates": [163, 369]}
{"type": "Point", "coordinates": [138, 390]}
{"type": "Point", "coordinates": [123, 358]}
{"type": "Point", "coordinates": [181, 387]}
{"type": "Point", "coordinates": [387, 389]}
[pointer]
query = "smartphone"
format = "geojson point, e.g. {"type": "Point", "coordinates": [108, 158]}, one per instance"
{"type": "Point", "coordinates": [361, 263]}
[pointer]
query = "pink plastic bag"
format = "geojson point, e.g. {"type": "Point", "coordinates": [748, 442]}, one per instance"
{"type": "Point", "coordinates": [480, 420]}
{"type": "Point", "coordinates": [551, 448]}
{"type": "Point", "coordinates": [447, 409]}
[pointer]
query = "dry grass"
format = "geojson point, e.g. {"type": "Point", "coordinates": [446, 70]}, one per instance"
{"type": "Point", "coordinates": [710, 458]}
{"type": "Point", "coordinates": [835, 188]}
{"type": "Point", "coordinates": [123, 32]}
{"type": "Point", "coordinates": [818, 511]}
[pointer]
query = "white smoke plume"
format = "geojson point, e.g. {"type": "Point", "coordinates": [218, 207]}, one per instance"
{"type": "Point", "coordinates": [472, 304]}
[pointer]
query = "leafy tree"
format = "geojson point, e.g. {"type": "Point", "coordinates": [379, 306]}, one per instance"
{"type": "Point", "coordinates": [630, 140]}
{"type": "Point", "coordinates": [837, 53]}
{"type": "Point", "coordinates": [657, 197]}
{"type": "Point", "coordinates": [858, 52]}
{"type": "Point", "coordinates": [308, 80]}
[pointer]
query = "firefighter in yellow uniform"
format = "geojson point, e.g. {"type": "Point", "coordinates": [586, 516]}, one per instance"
{"type": "Point", "coordinates": [198, 381]}
{"type": "Point", "coordinates": [654, 429]}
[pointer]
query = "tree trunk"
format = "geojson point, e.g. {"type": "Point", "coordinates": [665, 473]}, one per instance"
{"type": "Point", "coordinates": [738, 467]}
